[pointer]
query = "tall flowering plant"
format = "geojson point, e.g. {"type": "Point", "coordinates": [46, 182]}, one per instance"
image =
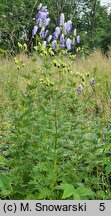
{"type": "Point", "coordinates": [64, 35]}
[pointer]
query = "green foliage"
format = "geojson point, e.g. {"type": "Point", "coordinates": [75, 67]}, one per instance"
{"type": "Point", "coordinates": [55, 144]}
{"type": "Point", "coordinates": [16, 22]}
{"type": "Point", "coordinates": [5, 185]}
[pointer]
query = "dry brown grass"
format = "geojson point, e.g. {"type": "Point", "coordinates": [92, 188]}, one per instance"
{"type": "Point", "coordinates": [96, 65]}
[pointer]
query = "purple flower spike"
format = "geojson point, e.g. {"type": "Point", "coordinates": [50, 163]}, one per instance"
{"type": "Point", "coordinates": [56, 33]}
{"type": "Point", "coordinates": [39, 6]}
{"type": "Point", "coordinates": [49, 38]}
{"type": "Point", "coordinates": [62, 19]}
{"type": "Point", "coordinates": [78, 39]}
{"type": "Point", "coordinates": [62, 41]}
{"type": "Point", "coordinates": [69, 44]}
{"type": "Point", "coordinates": [42, 33]}
{"type": "Point", "coordinates": [79, 89]}
{"type": "Point", "coordinates": [69, 26]}
{"type": "Point", "coordinates": [34, 31]}
{"type": "Point", "coordinates": [44, 44]}
{"type": "Point", "coordinates": [39, 19]}
{"type": "Point", "coordinates": [42, 19]}
{"type": "Point", "coordinates": [54, 44]}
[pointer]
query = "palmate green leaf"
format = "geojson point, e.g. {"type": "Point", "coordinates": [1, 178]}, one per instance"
{"type": "Point", "coordinates": [44, 193]}
{"type": "Point", "coordinates": [41, 166]}
{"type": "Point", "coordinates": [84, 192]}
{"type": "Point", "coordinates": [5, 185]}
{"type": "Point", "coordinates": [69, 191]}
{"type": "Point", "coordinates": [31, 197]}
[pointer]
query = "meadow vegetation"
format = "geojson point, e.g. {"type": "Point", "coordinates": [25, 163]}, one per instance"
{"type": "Point", "coordinates": [55, 143]}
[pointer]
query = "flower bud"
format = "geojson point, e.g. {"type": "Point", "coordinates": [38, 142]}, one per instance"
{"type": "Point", "coordinates": [79, 89]}
{"type": "Point", "coordinates": [54, 44]}
{"type": "Point", "coordinates": [75, 32]}
{"type": "Point", "coordinates": [62, 19]}
{"type": "Point", "coordinates": [78, 39]}
{"type": "Point", "coordinates": [69, 44]}
{"type": "Point", "coordinates": [34, 31]}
